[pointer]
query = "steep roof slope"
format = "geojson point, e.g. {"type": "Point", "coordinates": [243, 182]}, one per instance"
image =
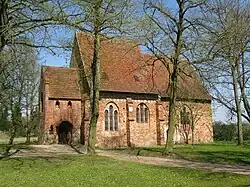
{"type": "Point", "coordinates": [62, 81]}
{"type": "Point", "coordinates": [124, 68]}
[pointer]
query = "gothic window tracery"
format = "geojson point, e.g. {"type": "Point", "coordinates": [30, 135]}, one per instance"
{"type": "Point", "coordinates": [142, 113]}
{"type": "Point", "coordinates": [111, 116]}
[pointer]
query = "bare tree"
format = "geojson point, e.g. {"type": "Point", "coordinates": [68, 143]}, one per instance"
{"type": "Point", "coordinates": [190, 116]}
{"type": "Point", "coordinates": [13, 96]}
{"type": "Point", "coordinates": [167, 38]}
{"type": "Point", "coordinates": [227, 38]}
{"type": "Point", "coordinates": [17, 88]}
{"type": "Point", "coordinates": [30, 92]}
{"type": "Point", "coordinates": [98, 18]}
{"type": "Point", "coordinates": [185, 123]}
{"type": "Point", "coordinates": [18, 18]}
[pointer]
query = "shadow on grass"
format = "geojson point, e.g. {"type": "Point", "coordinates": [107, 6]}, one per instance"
{"type": "Point", "coordinates": [80, 149]}
{"type": "Point", "coordinates": [7, 150]}
{"type": "Point", "coordinates": [18, 163]}
{"type": "Point", "coordinates": [139, 151]}
{"type": "Point", "coordinates": [7, 153]}
{"type": "Point", "coordinates": [150, 149]}
{"type": "Point", "coordinates": [211, 153]}
{"type": "Point", "coordinates": [16, 146]}
{"type": "Point", "coordinates": [221, 157]}
{"type": "Point", "coordinates": [218, 176]}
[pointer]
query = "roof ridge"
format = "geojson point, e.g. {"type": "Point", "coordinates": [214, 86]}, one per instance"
{"type": "Point", "coordinates": [121, 58]}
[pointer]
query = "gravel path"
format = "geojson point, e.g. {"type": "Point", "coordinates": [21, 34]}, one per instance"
{"type": "Point", "coordinates": [168, 162]}
{"type": "Point", "coordinates": [56, 150]}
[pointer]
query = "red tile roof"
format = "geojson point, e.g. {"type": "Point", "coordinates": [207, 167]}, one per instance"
{"type": "Point", "coordinates": [62, 81]}
{"type": "Point", "coordinates": [124, 68]}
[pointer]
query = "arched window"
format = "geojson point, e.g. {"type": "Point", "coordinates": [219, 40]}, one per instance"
{"type": "Point", "coordinates": [185, 117]}
{"type": "Point", "coordinates": [57, 104]}
{"type": "Point", "coordinates": [69, 104]}
{"type": "Point", "coordinates": [146, 115]}
{"type": "Point", "coordinates": [142, 113]}
{"type": "Point", "coordinates": [116, 120]}
{"type": "Point", "coordinates": [185, 125]}
{"type": "Point", "coordinates": [111, 117]}
{"type": "Point", "coordinates": [106, 120]}
{"type": "Point", "coordinates": [138, 119]}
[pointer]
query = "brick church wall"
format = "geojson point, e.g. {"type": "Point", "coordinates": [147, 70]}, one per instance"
{"type": "Point", "coordinates": [131, 133]}
{"type": "Point", "coordinates": [143, 134]}
{"type": "Point", "coordinates": [53, 115]}
{"type": "Point", "coordinates": [138, 134]}
{"type": "Point", "coordinates": [112, 138]}
{"type": "Point", "coordinates": [203, 132]}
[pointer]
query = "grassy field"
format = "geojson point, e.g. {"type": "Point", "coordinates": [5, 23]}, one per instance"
{"type": "Point", "coordinates": [19, 143]}
{"type": "Point", "coordinates": [100, 171]}
{"type": "Point", "coordinates": [19, 140]}
{"type": "Point", "coordinates": [218, 152]}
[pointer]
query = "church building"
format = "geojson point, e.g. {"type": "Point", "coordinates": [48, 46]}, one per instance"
{"type": "Point", "coordinates": [134, 98]}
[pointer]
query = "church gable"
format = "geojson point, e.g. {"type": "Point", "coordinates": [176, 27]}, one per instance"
{"type": "Point", "coordinates": [62, 82]}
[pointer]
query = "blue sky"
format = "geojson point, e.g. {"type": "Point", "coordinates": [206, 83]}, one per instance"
{"type": "Point", "coordinates": [48, 59]}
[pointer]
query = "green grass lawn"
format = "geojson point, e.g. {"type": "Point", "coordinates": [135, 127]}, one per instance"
{"type": "Point", "coordinates": [97, 171]}
{"type": "Point", "coordinates": [218, 152]}
{"type": "Point", "coordinates": [19, 140]}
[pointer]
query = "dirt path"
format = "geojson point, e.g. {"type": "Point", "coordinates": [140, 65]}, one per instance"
{"type": "Point", "coordinates": [56, 150]}
{"type": "Point", "coordinates": [168, 162]}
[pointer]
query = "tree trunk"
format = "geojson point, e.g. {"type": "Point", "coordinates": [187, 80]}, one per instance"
{"type": "Point", "coordinates": [3, 23]}
{"type": "Point", "coordinates": [186, 138]}
{"type": "Point", "coordinates": [96, 91]}
{"type": "Point", "coordinates": [242, 84]}
{"type": "Point", "coordinates": [173, 82]}
{"type": "Point", "coordinates": [28, 119]}
{"type": "Point", "coordinates": [12, 137]}
{"type": "Point", "coordinates": [96, 80]}
{"type": "Point", "coordinates": [28, 136]}
{"type": "Point", "coordinates": [192, 129]}
{"type": "Point", "coordinates": [171, 123]}
{"type": "Point", "coordinates": [237, 103]}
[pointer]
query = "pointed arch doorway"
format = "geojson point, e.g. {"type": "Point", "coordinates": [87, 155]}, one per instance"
{"type": "Point", "coordinates": [64, 131]}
